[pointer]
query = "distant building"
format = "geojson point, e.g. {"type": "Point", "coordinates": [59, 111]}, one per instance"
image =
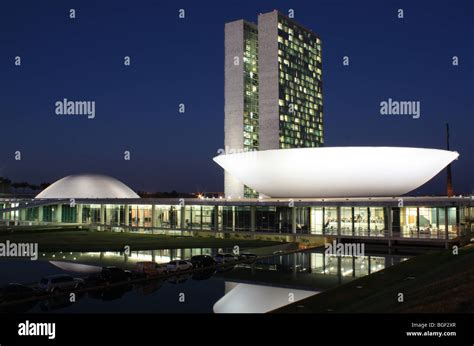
{"type": "Point", "coordinates": [273, 89]}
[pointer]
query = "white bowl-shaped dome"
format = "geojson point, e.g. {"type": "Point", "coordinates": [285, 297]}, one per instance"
{"type": "Point", "coordinates": [336, 171]}
{"type": "Point", "coordinates": [87, 186]}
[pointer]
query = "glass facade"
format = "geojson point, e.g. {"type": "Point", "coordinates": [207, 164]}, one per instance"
{"type": "Point", "coordinates": [236, 218]}
{"type": "Point", "coordinates": [266, 219]}
{"type": "Point", "coordinates": [198, 217]}
{"type": "Point", "coordinates": [250, 87]}
{"type": "Point", "coordinates": [91, 213]}
{"type": "Point", "coordinates": [316, 220]}
{"type": "Point", "coordinates": [361, 221]}
{"type": "Point", "coordinates": [32, 214]}
{"type": "Point", "coordinates": [140, 215]}
{"type": "Point", "coordinates": [167, 217]}
{"type": "Point", "coordinates": [48, 213]}
{"type": "Point", "coordinates": [68, 214]}
{"type": "Point", "coordinates": [346, 266]}
{"type": "Point", "coordinates": [300, 86]}
{"type": "Point", "coordinates": [424, 222]}
{"type": "Point", "coordinates": [251, 119]}
{"type": "Point", "coordinates": [345, 220]}
{"type": "Point", "coordinates": [330, 220]}
{"type": "Point", "coordinates": [378, 221]}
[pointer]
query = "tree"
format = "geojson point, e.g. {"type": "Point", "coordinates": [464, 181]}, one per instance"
{"type": "Point", "coordinates": [34, 187]}
{"type": "Point", "coordinates": [44, 185]}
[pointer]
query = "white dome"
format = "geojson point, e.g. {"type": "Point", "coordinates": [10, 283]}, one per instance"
{"type": "Point", "coordinates": [87, 186]}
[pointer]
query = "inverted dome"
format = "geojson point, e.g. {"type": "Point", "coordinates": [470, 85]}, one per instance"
{"type": "Point", "coordinates": [87, 186]}
{"type": "Point", "coordinates": [336, 171]}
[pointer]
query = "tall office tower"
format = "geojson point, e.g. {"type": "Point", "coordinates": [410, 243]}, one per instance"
{"type": "Point", "coordinates": [291, 104]}
{"type": "Point", "coordinates": [241, 97]}
{"type": "Point", "coordinates": [273, 88]}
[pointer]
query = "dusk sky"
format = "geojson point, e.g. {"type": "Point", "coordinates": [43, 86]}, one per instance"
{"type": "Point", "coordinates": [177, 61]}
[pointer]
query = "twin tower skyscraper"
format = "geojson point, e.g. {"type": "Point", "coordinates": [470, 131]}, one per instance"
{"type": "Point", "coordinates": [273, 89]}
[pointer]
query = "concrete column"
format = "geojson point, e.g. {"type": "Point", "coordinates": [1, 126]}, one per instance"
{"type": "Point", "coordinates": [59, 213]}
{"type": "Point", "coordinates": [390, 222]}
{"type": "Point", "coordinates": [216, 218]}
{"type": "Point", "coordinates": [118, 214]}
{"type": "Point", "coordinates": [338, 221]}
{"type": "Point", "coordinates": [108, 216]}
{"type": "Point", "coordinates": [369, 217]}
{"type": "Point", "coordinates": [79, 213]}
{"type": "Point", "coordinates": [446, 223]}
{"type": "Point", "coordinates": [127, 215]}
{"type": "Point", "coordinates": [40, 214]}
{"type": "Point", "coordinates": [233, 219]}
{"type": "Point", "coordinates": [182, 219]}
{"type": "Point", "coordinates": [102, 214]}
{"type": "Point", "coordinates": [153, 216]}
{"type": "Point", "coordinates": [293, 220]}
{"type": "Point", "coordinates": [252, 218]}
{"type": "Point", "coordinates": [353, 221]}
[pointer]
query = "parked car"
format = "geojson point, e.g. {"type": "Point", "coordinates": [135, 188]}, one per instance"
{"type": "Point", "coordinates": [56, 283]}
{"type": "Point", "coordinates": [178, 265]}
{"type": "Point", "coordinates": [149, 268]}
{"type": "Point", "coordinates": [14, 291]}
{"type": "Point", "coordinates": [201, 261]}
{"type": "Point", "coordinates": [114, 274]}
{"type": "Point", "coordinates": [225, 258]}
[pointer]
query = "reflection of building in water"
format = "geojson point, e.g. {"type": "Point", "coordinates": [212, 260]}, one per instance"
{"type": "Point", "coordinates": [121, 259]}
{"type": "Point", "coordinates": [321, 263]}
{"type": "Point", "coordinates": [246, 298]}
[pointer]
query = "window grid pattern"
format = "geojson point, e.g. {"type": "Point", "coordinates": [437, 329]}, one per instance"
{"type": "Point", "coordinates": [300, 86]}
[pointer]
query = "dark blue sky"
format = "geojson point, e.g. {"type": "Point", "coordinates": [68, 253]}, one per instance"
{"type": "Point", "coordinates": [181, 60]}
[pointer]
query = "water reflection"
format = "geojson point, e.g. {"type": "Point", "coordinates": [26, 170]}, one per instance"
{"type": "Point", "coordinates": [247, 298]}
{"type": "Point", "coordinates": [111, 293]}
{"type": "Point", "coordinates": [121, 259]}
{"type": "Point", "coordinates": [258, 287]}
{"type": "Point", "coordinates": [58, 302]}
